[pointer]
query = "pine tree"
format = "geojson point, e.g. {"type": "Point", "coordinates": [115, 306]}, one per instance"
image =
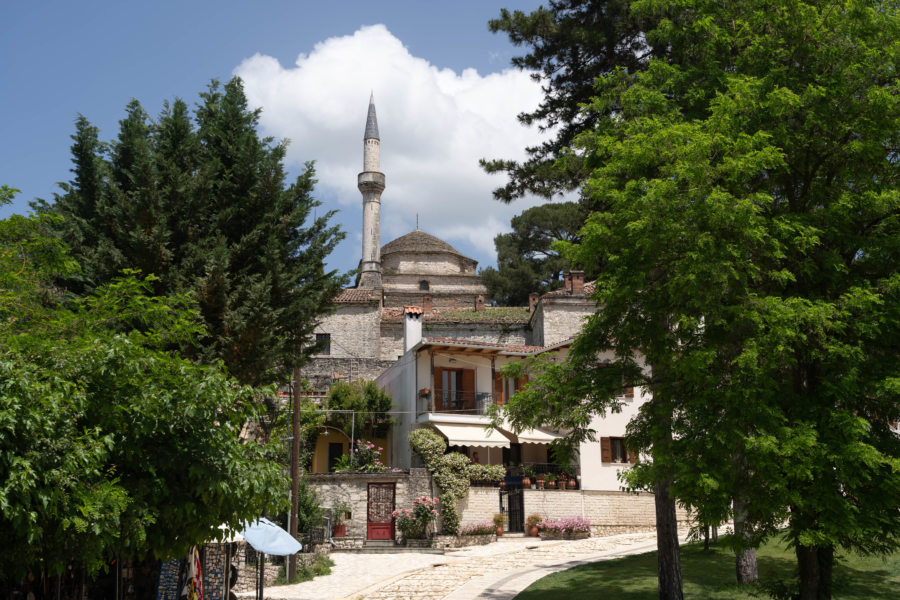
{"type": "Point", "coordinates": [207, 210]}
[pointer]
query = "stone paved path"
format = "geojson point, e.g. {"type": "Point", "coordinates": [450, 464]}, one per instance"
{"type": "Point", "coordinates": [496, 571]}
{"type": "Point", "coordinates": [493, 575]}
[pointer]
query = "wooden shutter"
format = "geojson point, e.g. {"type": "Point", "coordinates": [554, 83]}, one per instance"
{"type": "Point", "coordinates": [605, 450]}
{"type": "Point", "coordinates": [521, 382]}
{"type": "Point", "coordinates": [498, 389]}
{"type": "Point", "coordinates": [437, 394]}
{"type": "Point", "coordinates": [468, 389]}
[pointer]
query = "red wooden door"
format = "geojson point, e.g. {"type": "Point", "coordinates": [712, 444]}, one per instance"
{"type": "Point", "coordinates": [380, 524]}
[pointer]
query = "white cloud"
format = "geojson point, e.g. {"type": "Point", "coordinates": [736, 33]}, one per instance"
{"type": "Point", "coordinates": [434, 124]}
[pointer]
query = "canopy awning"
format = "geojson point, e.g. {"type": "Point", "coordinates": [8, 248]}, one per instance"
{"type": "Point", "coordinates": [531, 436]}
{"type": "Point", "coordinates": [535, 436]}
{"type": "Point", "coordinates": [471, 434]}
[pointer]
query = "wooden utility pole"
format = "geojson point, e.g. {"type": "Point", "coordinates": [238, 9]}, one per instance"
{"type": "Point", "coordinates": [295, 471]}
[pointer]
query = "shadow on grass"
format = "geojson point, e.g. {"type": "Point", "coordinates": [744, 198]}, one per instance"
{"type": "Point", "coordinates": [711, 574]}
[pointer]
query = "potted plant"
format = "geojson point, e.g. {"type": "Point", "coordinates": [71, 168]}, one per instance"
{"type": "Point", "coordinates": [550, 481]}
{"type": "Point", "coordinates": [339, 513]}
{"type": "Point", "coordinates": [424, 392]}
{"type": "Point", "coordinates": [539, 480]}
{"type": "Point", "coordinates": [527, 475]}
{"type": "Point", "coordinates": [573, 483]}
{"type": "Point", "coordinates": [531, 523]}
{"type": "Point", "coordinates": [499, 521]}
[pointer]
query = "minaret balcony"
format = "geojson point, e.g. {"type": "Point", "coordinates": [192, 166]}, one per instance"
{"type": "Point", "coordinates": [370, 180]}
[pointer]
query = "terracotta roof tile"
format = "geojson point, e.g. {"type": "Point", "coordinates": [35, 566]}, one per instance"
{"type": "Point", "coordinates": [480, 344]}
{"type": "Point", "coordinates": [413, 310]}
{"type": "Point", "coordinates": [351, 295]}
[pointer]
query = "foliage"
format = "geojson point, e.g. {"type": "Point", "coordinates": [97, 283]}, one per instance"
{"type": "Point", "coordinates": [371, 406]}
{"type": "Point", "coordinates": [339, 511]}
{"type": "Point", "coordinates": [527, 260]}
{"type": "Point", "coordinates": [365, 457]}
{"type": "Point", "coordinates": [111, 444]}
{"type": "Point", "coordinates": [576, 524]}
{"type": "Point", "coordinates": [746, 214]}
{"type": "Point", "coordinates": [206, 210]}
{"type": "Point", "coordinates": [479, 528]}
{"type": "Point", "coordinates": [499, 519]}
{"type": "Point", "coordinates": [710, 575]}
{"type": "Point", "coordinates": [321, 565]}
{"type": "Point", "coordinates": [570, 43]}
{"type": "Point", "coordinates": [533, 520]}
{"type": "Point", "coordinates": [449, 515]}
{"type": "Point", "coordinates": [479, 472]}
{"type": "Point", "coordinates": [309, 509]}
{"type": "Point", "coordinates": [414, 524]}
{"type": "Point", "coordinates": [429, 445]}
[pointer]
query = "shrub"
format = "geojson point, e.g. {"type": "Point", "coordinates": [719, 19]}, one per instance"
{"type": "Point", "coordinates": [478, 472]}
{"type": "Point", "coordinates": [365, 457]}
{"type": "Point", "coordinates": [480, 528]}
{"type": "Point", "coordinates": [413, 524]}
{"type": "Point", "coordinates": [449, 515]}
{"type": "Point", "coordinates": [499, 519]}
{"type": "Point", "coordinates": [566, 525]}
{"type": "Point", "coordinates": [533, 520]}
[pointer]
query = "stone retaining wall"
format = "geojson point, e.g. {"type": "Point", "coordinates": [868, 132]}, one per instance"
{"type": "Point", "coordinates": [352, 487]}
{"type": "Point", "coordinates": [461, 541]}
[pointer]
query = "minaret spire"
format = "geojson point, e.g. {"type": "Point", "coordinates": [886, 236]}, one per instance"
{"type": "Point", "coordinates": [371, 183]}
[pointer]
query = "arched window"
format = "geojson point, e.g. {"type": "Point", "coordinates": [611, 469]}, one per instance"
{"type": "Point", "coordinates": [423, 285]}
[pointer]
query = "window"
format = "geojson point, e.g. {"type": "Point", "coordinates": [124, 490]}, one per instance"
{"type": "Point", "coordinates": [612, 450]}
{"type": "Point", "coordinates": [325, 340]}
{"type": "Point", "coordinates": [424, 286]}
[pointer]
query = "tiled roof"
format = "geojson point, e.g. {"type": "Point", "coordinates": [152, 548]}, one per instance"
{"type": "Point", "coordinates": [490, 314]}
{"type": "Point", "coordinates": [418, 242]}
{"type": "Point", "coordinates": [413, 310]}
{"type": "Point", "coordinates": [351, 295]}
{"type": "Point", "coordinates": [479, 344]}
{"type": "Point", "coordinates": [589, 288]}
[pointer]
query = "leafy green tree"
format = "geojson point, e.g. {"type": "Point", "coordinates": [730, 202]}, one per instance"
{"type": "Point", "coordinates": [526, 259]}
{"type": "Point", "coordinates": [205, 209]}
{"type": "Point", "coordinates": [370, 407]}
{"type": "Point", "coordinates": [110, 443]}
{"type": "Point", "coordinates": [748, 215]}
{"type": "Point", "coordinates": [570, 43]}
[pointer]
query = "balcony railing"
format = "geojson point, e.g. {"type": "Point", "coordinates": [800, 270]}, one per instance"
{"type": "Point", "coordinates": [458, 402]}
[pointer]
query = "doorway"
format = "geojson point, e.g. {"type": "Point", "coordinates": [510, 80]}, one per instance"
{"type": "Point", "coordinates": [380, 519]}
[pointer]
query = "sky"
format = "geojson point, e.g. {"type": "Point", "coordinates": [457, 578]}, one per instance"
{"type": "Point", "coordinates": [445, 93]}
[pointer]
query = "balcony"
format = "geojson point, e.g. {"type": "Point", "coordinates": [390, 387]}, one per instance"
{"type": "Point", "coordinates": [456, 402]}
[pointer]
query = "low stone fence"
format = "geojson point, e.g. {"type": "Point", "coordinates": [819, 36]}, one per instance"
{"type": "Point", "coordinates": [461, 541]}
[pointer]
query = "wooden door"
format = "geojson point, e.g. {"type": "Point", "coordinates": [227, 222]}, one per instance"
{"type": "Point", "coordinates": [380, 521]}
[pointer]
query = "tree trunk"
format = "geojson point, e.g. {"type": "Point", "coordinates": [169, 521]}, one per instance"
{"type": "Point", "coordinates": [808, 563]}
{"type": "Point", "coordinates": [669, 557]}
{"type": "Point", "coordinates": [826, 562]}
{"type": "Point", "coordinates": [706, 538]}
{"type": "Point", "coordinates": [715, 534]}
{"type": "Point", "coordinates": [745, 557]}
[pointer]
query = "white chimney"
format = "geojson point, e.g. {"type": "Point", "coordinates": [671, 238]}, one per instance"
{"type": "Point", "coordinates": [412, 327]}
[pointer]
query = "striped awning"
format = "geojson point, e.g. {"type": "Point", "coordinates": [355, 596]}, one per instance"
{"type": "Point", "coordinates": [471, 434]}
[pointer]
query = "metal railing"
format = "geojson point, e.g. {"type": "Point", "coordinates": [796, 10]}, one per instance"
{"type": "Point", "coordinates": [459, 402]}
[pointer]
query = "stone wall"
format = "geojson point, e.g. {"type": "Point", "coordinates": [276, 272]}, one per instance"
{"type": "Point", "coordinates": [609, 512]}
{"type": "Point", "coordinates": [562, 318]}
{"type": "Point", "coordinates": [352, 488]}
{"type": "Point", "coordinates": [319, 371]}
{"type": "Point", "coordinates": [495, 333]}
{"type": "Point", "coordinates": [481, 504]}
{"type": "Point", "coordinates": [353, 329]}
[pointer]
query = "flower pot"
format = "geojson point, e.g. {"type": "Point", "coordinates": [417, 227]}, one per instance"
{"type": "Point", "coordinates": [533, 531]}
{"type": "Point", "coordinates": [499, 531]}
{"type": "Point", "coordinates": [572, 484]}
{"type": "Point", "coordinates": [502, 485]}
{"type": "Point", "coordinates": [551, 485]}
{"type": "Point", "coordinates": [540, 484]}
{"type": "Point", "coordinates": [526, 482]}
{"type": "Point", "coordinates": [339, 531]}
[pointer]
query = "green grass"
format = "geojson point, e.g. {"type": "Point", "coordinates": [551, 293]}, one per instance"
{"type": "Point", "coordinates": [711, 575]}
{"type": "Point", "coordinates": [321, 566]}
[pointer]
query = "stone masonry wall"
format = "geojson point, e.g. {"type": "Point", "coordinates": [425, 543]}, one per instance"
{"type": "Point", "coordinates": [562, 319]}
{"type": "Point", "coordinates": [319, 371]}
{"type": "Point", "coordinates": [497, 333]}
{"type": "Point", "coordinates": [609, 512]}
{"type": "Point", "coordinates": [352, 488]}
{"type": "Point", "coordinates": [481, 505]}
{"type": "Point", "coordinates": [353, 329]}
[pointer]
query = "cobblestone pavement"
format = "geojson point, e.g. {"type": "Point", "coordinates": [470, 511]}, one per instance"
{"type": "Point", "coordinates": [497, 571]}
{"type": "Point", "coordinates": [486, 573]}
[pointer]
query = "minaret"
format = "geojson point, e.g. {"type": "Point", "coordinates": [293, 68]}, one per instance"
{"type": "Point", "coordinates": [371, 183]}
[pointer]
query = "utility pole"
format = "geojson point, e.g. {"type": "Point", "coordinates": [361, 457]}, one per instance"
{"type": "Point", "coordinates": [295, 472]}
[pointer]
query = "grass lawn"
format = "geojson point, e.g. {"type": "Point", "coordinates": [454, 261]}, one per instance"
{"type": "Point", "coordinates": [711, 575]}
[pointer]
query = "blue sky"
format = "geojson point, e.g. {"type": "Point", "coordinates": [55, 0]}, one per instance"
{"type": "Point", "coordinates": [60, 59]}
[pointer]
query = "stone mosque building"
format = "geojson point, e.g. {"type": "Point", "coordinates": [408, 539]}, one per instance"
{"type": "Point", "coordinates": [364, 335]}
